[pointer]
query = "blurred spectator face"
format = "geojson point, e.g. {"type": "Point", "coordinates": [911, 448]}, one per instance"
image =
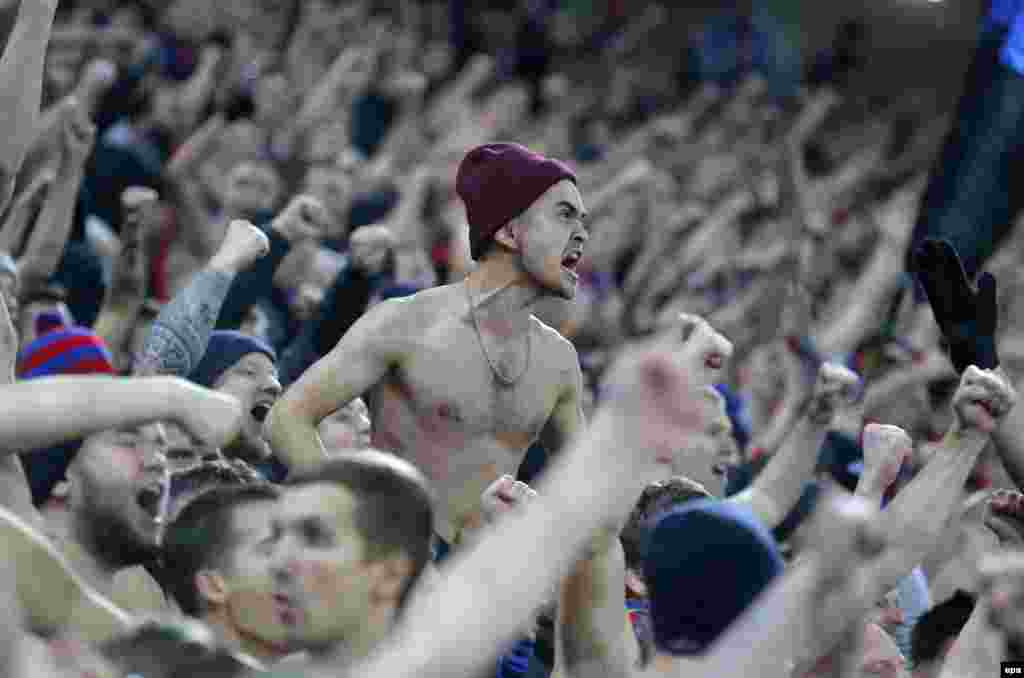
{"type": "Point", "coordinates": [326, 144]}
{"type": "Point", "coordinates": [273, 99]}
{"type": "Point", "coordinates": [305, 301]}
{"type": "Point", "coordinates": [333, 187]}
{"type": "Point", "coordinates": [323, 582]}
{"type": "Point", "coordinates": [167, 111]}
{"type": "Point", "coordinates": [252, 189]}
{"type": "Point", "coordinates": [116, 486]}
{"type": "Point", "coordinates": [348, 428]}
{"type": "Point", "coordinates": [253, 380]}
{"type": "Point", "coordinates": [549, 231]}
{"type": "Point", "coordinates": [707, 457]}
{"type": "Point", "coordinates": [246, 585]}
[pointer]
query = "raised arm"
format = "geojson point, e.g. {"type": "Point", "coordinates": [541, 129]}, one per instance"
{"type": "Point", "coordinates": [877, 282]}
{"type": "Point", "coordinates": [650, 406]}
{"type": "Point", "coordinates": [360, 360]}
{"type": "Point", "coordinates": [778, 487]}
{"type": "Point", "coordinates": [46, 244]}
{"type": "Point", "coordinates": [916, 519]}
{"type": "Point", "coordinates": [181, 333]}
{"type": "Point", "coordinates": [127, 291]}
{"type": "Point", "coordinates": [303, 219]}
{"type": "Point", "coordinates": [21, 86]}
{"type": "Point", "coordinates": [45, 412]}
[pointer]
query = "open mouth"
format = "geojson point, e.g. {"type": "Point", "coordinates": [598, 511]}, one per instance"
{"type": "Point", "coordinates": [571, 261]}
{"type": "Point", "coordinates": [715, 361]}
{"type": "Point", "coordinates": [287, 611]}
{"type": "Point", "coordinates": [260, 411]}
{"type": "Point", "coordinates": [149, 498]}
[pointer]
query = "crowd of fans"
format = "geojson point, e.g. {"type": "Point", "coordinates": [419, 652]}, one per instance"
{"type": "Point", "coordinates": [367, 338]}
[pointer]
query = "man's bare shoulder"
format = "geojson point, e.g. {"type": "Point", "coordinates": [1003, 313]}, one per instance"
{"type": "Point", "coordinates": [403, 311]}
{"type": "Point", "coordinates": [556, 349]}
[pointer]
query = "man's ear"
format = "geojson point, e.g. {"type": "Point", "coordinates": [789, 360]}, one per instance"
{"type": "Point", "coordinates": [211, 587]}
{"type": "Point", "coordinates": [635, 583]}
{"type": "Point", "coordinates": [389, 576]}
{"type": "Point", "coordinates": [507, 236]}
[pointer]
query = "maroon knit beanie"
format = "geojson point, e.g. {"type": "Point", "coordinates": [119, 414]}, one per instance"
{"type": "Point", "coordinates": [498, 182]}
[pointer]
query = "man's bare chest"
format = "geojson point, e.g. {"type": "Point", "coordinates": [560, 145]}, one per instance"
{"type": "Point", "coordinates": [448, 379]}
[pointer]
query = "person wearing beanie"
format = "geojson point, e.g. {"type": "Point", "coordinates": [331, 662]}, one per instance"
{"type": "Point", "coordinates": [706, 563]}
{"type": "Point", "coordinates": [59, 350]}
{"type": "Point", "coordinates": [464, 371]}
{"type": "Point", "coordinates": [246, 368]}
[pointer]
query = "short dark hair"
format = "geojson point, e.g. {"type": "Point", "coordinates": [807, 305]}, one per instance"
{"type": "Point", "coordinates": [938, 625]}
{"type": "Point", "coordinates": [657, 497]}
{"type": "Point", "coordinates": [200, 537]}
{"type": "Point", "coordinates": [395, 510]}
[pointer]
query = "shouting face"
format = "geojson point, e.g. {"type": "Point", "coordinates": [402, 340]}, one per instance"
{"type": "Point", "coordinates": [551, 236]}
{"type": "Point", "coordinates": [253, 380]}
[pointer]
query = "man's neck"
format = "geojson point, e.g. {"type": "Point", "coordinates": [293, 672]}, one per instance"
{"type": "Point", "coordinates": [355, 648]}
{"type": "Point", "coordinates": [502, 297]}
{"type": "Point", "coordinates": [238, 641]}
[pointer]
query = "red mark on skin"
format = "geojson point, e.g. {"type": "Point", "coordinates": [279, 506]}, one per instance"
{"type": "Point", "coordinates": [438, 432]}
{"type": "Point", "coordinates": [498, 326]}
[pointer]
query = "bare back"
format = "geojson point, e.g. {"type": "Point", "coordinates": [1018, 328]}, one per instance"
{"type": "Point", "coordinates": [441, 407]}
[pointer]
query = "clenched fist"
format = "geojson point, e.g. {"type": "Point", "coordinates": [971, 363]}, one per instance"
{"type": "Point", "coordinates": [504, 495]}
{"type": "Point", "coordinates": [982, 400]}
{"type": "Point", "coordinates": [243, 244]}
{"type": "Point", "coordinates": [835, 389]}
{"type": "Point", "coordinates": [653, 403]}
{"type": "Point", "coordinates": [304, 218]}
{"type": "Point", "coordinates": [705, 352]}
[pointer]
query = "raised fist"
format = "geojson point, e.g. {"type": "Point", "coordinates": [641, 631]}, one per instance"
{"type": "Point", "coordinates": [305, 218]}
{"type": "Point", "coordinates": [705, 352]}
{"type": "Point", "coordinates": [213, 419]}
{"type": "Point", "coordinates": [835, 389]}
{"type": "Point", "coordinates": [982, 400]}
{"type": "Point", "coordinates": [655, 404]}
{"type": "Point", "coordinates": [505, 495]}
{"type": "Point", "coordinates": [370, 246]}
{"type": "Point", "coordinates": [243, 244]}
{"type": "Point", "coordinates": [885, 449]}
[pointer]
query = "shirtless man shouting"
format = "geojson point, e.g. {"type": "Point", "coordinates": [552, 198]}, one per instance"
{"type": "Point", "coordinates": [463, 378]}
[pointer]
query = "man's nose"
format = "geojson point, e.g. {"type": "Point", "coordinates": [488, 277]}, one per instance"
{"type": "Point", "coordinates": [271, 388]}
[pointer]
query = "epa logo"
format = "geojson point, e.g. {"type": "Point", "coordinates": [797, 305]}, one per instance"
{"type": "Point", "coordinates": [1012, 668]}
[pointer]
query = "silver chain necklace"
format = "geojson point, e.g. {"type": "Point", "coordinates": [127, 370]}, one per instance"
{"type": "Point", "coordinates": [505, 381]}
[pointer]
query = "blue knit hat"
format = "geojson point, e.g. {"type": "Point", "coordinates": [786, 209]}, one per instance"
{"type": "Point", "coordinates": [707, 561]}
{"type": "Point", "coordinates": [225, 349]}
